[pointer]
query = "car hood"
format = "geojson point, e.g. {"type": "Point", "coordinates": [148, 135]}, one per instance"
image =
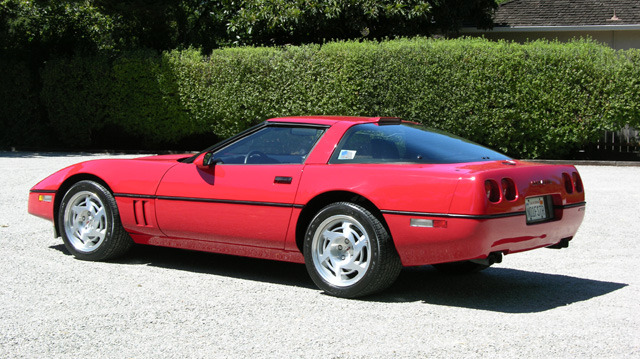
{"type": "Point", "coordinates": [128, 176]}
{"type": "Point", "coordinates": [165, 158]}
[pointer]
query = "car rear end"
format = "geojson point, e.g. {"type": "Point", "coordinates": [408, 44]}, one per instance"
{"type": "Point", "coordinates": [499, 207]}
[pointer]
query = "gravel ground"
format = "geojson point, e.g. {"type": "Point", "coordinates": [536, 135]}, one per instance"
{"type": "Point", "coordinates": [577, 302]}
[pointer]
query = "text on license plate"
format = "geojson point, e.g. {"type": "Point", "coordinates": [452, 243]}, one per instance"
{"type": "Point", "coordinates": [537, 209]}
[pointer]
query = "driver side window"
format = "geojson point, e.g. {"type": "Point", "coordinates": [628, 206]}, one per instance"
{"type": "Point", "coordinates": [272, 145]}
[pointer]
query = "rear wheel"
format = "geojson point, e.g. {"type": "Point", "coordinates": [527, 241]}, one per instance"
{"type": "Point", "coordinates": [348, 252]}
{"type": "Point", "coordinates": [90, 223]}
{"type": "Point", "coordinates": [462, 267]}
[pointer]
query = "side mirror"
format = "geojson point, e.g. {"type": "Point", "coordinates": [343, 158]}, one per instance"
{"type": "Point", "coordinates": [206, 161]}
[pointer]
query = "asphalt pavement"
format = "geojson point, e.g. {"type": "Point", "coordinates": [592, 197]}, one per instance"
{"type": "Point", "coordinates": [583, 301]}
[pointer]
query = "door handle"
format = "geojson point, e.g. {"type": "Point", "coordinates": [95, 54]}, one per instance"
{"type": "Point", "coordinates": [282, 180]}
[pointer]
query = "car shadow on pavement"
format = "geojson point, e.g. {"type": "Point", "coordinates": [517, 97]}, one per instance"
{"type": "Point", "coordinates": [495, 289]}
{"type": "Point", "coordinates": [260, 270]}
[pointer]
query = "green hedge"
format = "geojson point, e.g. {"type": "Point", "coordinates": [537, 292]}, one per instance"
{"type": "Point", "coordinates": [20, 120]}
{"type": "Point", "coordinates": [537, 100]}
{"type": "Point", "coordinates": [75, 93]}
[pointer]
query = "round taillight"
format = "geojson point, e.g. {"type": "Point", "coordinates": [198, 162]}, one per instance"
{"type": "Point", "coordinates": [577, 182]}
{"type": "Point", "coordinates": [492, 190]}
{"type": "Point", "coordinates": [568, 185]}
{"type": "Point", "coordinates": [508, 189]}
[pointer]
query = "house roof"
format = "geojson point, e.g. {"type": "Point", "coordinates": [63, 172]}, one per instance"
{"type": "Point", "coordinates": [533, 13]}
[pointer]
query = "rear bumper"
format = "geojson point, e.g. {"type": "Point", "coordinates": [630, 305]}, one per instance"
{"type": "Point", "coordinates": [473, 238]}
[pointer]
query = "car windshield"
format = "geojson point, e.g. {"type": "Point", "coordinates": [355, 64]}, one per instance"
{"type": "Point", "coordinates": [407, 143]}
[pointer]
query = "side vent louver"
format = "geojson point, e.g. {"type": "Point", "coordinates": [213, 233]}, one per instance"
{"type": "Point", "coordinates": [139, 212]}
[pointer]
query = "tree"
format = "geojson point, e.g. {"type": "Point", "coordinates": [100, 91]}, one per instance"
{"type": "Point", "coordinates": [56, 26]}
{"type": "Point", "coordinates": [68, 26]}
{"type": "Point", "coordinates": [281, 21]}
{"type": "Point", "coordinates": [303, 21]}
{"type": "Point", "coordinates": [450, 15]}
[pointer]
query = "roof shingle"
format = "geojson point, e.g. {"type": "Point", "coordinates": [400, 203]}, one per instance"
{"type": "Point", "coordinates": [567, 13]}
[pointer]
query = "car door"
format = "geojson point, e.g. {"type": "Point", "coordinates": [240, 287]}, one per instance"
{"type": "Point", "coordinates": [246, 198]}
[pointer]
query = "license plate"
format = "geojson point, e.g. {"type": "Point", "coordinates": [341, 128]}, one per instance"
{"type": "Point", "coordinates": [538, 209]}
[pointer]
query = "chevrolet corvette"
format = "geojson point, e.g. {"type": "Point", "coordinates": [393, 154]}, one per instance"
{"type": "Point", "coordinates": [353, 198]}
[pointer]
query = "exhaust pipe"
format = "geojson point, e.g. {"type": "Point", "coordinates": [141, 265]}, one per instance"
{"type": "Point", "coordinates": [492, 258]}
{"type": "Point", "coordinates": [564, 243]}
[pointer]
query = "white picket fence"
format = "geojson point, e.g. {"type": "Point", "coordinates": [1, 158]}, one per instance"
{"type": "Point", "coordinates": [627, 140]}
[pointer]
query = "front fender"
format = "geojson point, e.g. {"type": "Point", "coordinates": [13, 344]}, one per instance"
{"type": "Point", "coordinates": [121, 176]}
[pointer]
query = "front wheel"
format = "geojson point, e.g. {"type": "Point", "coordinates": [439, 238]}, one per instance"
{"type": "Point", "coordinates": [348, 252]}
{"type": "Point", "coordinates": [90, 223]}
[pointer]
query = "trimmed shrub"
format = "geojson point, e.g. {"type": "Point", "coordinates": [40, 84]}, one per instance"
{"type": "Point", "coordinates": [76, 94]}
{"type": "Point", "coordinates": [145, 100]}
{"type": "Point", "coordinates": [20, 122]}
{"type": "Point", "coordinates": [626, 94]}
{"type": "Point", "coordinates": [537, 100]}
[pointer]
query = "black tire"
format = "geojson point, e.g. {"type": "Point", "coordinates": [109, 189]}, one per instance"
{"type": "Point", "coordinates": [463, 267]}
{"type": "Point", "coordinates": [349, 253]}
{"type": "Point", "coordinates": [90, 224]}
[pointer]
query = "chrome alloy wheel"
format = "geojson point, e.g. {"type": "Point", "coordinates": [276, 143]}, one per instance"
{"type": "Point", "coordinates": [340, 250]}
{"type": "Point", "coordinates": [85, 221]}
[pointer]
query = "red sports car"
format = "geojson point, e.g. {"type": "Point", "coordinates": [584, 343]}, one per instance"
{"type": "Point", "coordinates": [353, 198]}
